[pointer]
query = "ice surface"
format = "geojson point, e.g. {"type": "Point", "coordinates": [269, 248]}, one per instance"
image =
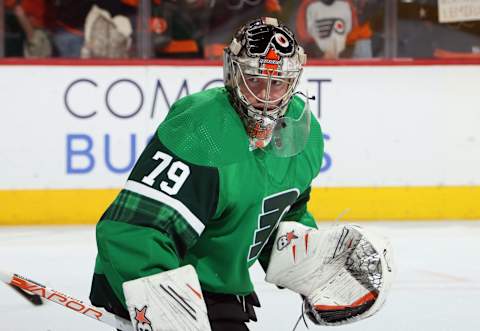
{"type": "Point", "coordinates": [437, 286]}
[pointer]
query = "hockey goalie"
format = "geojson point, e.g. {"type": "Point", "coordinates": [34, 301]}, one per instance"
{"type": "Point", "coordinates": [224, 182]}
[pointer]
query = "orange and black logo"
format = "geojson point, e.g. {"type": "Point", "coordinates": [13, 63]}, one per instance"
{"type": "Point", "coordinates": [285, 240]}
{"type": "Point", "coordinates": [143, 323]}
{"type": "Point", "coordinates": [262, 38]}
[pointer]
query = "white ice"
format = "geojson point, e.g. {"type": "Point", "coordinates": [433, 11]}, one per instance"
{"type": "Point", "coordinates": [437, 287]}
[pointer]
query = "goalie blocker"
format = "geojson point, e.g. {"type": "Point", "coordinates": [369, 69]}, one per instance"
{"type": "Point", "coordinates": [343, 273]}
{"type": "Point", "coordinates": [170, 300]}
{"type": "Point", "coordinates": [173, 300]}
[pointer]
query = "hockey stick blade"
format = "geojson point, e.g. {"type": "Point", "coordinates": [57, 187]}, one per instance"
{"type": "Point", "coordinates": [34, 299]}
{"type": "Point", "coordinates": [67, 301]}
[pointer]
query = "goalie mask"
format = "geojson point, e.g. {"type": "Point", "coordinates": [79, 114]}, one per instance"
{"type": "Point", "coordinates": [262, 67]}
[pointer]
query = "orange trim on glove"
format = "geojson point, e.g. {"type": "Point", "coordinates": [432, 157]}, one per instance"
{"type": "Point", "coordinates": [363, 300]}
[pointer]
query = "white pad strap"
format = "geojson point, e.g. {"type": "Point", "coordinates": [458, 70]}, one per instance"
{"type": "Point", "coordinates": [171, 300]}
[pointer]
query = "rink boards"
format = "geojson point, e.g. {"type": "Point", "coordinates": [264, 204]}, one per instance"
{"type": "Point", "coordinates": [401, 141]}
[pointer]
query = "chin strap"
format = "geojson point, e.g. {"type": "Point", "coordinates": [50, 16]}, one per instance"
{"type": "Point", "coordinates": [304, 95]}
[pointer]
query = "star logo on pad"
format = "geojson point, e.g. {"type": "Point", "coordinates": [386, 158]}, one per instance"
{"type": "Point", "coordinates": [290, 236]}
{"type": "Point", "coordinates": [143, 322]}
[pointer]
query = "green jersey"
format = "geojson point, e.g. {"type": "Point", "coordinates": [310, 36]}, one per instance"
{"type": "Point", "coordinates": [198, 195]}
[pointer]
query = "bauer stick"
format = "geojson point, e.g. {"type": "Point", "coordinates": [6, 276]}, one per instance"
{"type": "Point", "coordinates": [67, 301]}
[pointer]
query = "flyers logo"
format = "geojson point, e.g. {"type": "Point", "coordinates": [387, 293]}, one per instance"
{"type": "Point", "coordinates": [274, 207]}
{"type": "Point", "coordinates": [285, 240]}
{"type": "Point", "coordinates": [262, 38]}
{"type": "Point", "coordinates": [325, 27]}
{"type": "Point", "coordinates": [143, 323]}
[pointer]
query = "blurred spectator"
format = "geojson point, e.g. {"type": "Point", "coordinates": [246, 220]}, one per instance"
{"type": "Point", "coordinates": [67, 30]}
{"type": "Point", "coordinates": [31, 17]}
{"type": "Point", "coordinates": [323, 26]}
{"type": "Point", "coordinates": [14, 34]}
{"type": "Point", "coordinates": [108, 30]}
{"type": "Point", "coordinates": [333, 29]}
{"type": "Point", "coordinates": [421, 35]}
{"type": "Point", "coordinates": [37, 42]}
{"type": "Point", "coordinates": [461, 41]}
{"type": "Point", "coordinates": [366, 37]}
{"type": "Point", "coordinates": [178, 27]}
{"type": "Point", "coordinates": [227, 16]}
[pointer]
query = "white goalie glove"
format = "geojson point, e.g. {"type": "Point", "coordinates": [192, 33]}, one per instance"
{"type": "Point", "coordinates": [168, 301]}
{"type": "Point", "coordinates": [343, 273]}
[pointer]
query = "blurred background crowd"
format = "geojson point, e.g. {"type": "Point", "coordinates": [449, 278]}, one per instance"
{"type": "Point", "coordinates": [200, 29]}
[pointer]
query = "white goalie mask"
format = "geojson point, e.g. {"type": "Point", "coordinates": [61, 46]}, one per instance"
{"type": "Point", "coordinates": [262, 67]}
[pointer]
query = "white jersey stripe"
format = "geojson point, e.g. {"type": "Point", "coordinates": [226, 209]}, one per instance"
{"type": "Point", "coordinates": [151, 193]}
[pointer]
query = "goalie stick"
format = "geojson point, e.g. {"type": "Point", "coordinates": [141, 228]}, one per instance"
{"type": "Point", "coordinates": [64, 300]}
